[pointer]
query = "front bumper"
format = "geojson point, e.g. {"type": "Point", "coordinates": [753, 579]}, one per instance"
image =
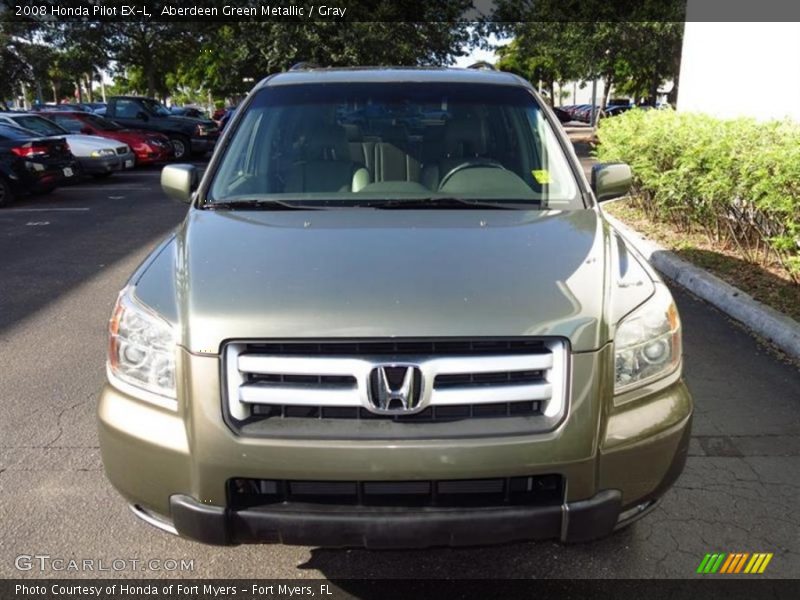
{"type": "Point", "coordinates": [107, 164]}
{"type": "Point", "coordinates": [372, 527]}
{"type": "Point", "coordinates": [175, 465]}
{"type": "Point", "coordinates": [151, 153]}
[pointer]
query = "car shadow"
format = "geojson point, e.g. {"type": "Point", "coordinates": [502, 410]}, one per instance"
{"type": "Point", "coordinates": [349, 568]}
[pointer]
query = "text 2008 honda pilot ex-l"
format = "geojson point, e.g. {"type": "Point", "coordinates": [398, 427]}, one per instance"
{"type": "Point", "coordinates": [394, 316]}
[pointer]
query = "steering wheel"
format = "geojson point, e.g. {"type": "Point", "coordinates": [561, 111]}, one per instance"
{"type": "Point", "coordinates": [474, 163]}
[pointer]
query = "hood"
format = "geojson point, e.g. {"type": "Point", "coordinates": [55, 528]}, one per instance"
{"type": "Point", "coordinates": [374, 273]}
{"type": "Point", "coordinates": [83, 145]}
{"type": "Point", "coordinates": [134, 136]}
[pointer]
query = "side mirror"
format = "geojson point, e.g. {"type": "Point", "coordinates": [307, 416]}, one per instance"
{"type": "Point", "coordinates": [179, 182]}
{"type": "Point", "coordinates": [142, 116]}
{"type": "Point", "coordinates": [611, 181]}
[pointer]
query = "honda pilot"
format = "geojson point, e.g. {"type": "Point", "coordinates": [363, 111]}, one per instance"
{"type": "Point", "coordinates": [394, 316]}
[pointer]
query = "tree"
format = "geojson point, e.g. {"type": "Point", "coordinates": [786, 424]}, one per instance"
{"type": "Point", "coordinates": [546, 52]}
{"type": "Point", "coordinates": [211, 58]}
{"type": "Point", "coordinates": [13, 68]}
{"type": "Point", "coordinates": [633, 46]}
{"type": "Point", "coordinates": [252, 50]}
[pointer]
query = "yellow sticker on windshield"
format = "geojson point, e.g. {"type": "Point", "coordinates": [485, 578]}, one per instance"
{"type": "Point", "coordinates": [541, 176]}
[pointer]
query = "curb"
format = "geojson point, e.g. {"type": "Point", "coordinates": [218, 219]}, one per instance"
{"type": "Point", "coordinates": [774, 326]}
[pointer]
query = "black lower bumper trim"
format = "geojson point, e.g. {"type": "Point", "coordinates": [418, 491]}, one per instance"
{"type": "Point", "coordinates": [395, 528]}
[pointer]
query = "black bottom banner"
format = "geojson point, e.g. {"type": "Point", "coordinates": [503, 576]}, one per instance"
{"type": "Point", "coordinates": [440, 589]}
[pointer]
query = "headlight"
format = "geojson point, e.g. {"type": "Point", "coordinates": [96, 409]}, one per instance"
{"type": "Point", "coordinates": [647, 345]}
{"type": "Point", "coordinates": [141, 350]}
{"type": "Point", "coordinates": [202, 130]}
{"type": "Point", "coordinates": [101, 153]}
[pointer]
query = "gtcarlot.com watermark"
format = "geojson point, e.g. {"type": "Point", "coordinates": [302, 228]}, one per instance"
{"type": "Point", "coordinates": [46, 563]}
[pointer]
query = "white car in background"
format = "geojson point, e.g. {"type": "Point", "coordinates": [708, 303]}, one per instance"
{"type": "Point", "coordinates": [96, 155]}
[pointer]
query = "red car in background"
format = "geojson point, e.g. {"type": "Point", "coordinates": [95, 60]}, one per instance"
{"type": "Point", "coordinates": [148, 146]}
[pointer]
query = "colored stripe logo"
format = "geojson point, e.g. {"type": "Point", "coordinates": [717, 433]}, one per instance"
{"type": "Point", "coordinates": [734, 563]}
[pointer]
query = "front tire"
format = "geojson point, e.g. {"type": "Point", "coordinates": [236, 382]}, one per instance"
{"type": "Point", "coordinates": [181, 146]}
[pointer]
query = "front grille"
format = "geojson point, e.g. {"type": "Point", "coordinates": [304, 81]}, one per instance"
{"type": "Point", "coordinates": [539, 490]}
{"type": "Point", "coordinates": [296, 388]}
{"type": "Point", "coordinates": [122, 150]}
{"type": "Point", "coordinates": [431, 414]}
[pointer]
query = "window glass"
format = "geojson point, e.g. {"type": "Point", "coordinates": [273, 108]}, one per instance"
{"type": "Point", "coordinates": [345, 142]}
{"type": "Point", "coordinates": [39, 125]}
{"type": "Point", "coordinates": [69, 123]}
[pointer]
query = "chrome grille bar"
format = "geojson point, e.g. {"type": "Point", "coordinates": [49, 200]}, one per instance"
{"type": "Point", "coordinates": [254, 378]}
{"type": "Point", "coordinates": [492, 395]}
{"type": "Point", "coordinates": [298, 395]}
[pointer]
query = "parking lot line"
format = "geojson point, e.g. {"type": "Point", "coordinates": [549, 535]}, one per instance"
{"type": "Point", "coordinates": [25, 210]}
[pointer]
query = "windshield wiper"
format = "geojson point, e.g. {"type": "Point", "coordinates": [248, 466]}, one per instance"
{"type": "Point", "coordinates": [257, 205]}
{"type": "Point", "coordinates": [446, 203]}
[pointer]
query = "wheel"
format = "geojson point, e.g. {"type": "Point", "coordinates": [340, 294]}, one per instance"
{"type": "Point", "coordinates": [475, 163]}
{"type": "Point", "coordinates": [102, 175]}
{"type": "Point", "coordinates": [181, 146]}
{"type": "Point", "coordinates": [6, 194]}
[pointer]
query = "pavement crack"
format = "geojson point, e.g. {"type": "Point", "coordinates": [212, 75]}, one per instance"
{"type": "Point", "coordinates": [61, 414]}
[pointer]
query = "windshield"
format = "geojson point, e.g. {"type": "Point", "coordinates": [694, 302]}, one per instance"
{"type": "Point", "coordinates": [39, 125]}
{"type": "Point", "coordinates": [350, 143]}
{"type": "Point", "coordinates": [156, 108]}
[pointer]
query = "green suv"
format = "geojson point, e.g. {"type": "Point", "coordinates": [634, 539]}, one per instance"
{"type": "Point", "coordinates": [394, 317]}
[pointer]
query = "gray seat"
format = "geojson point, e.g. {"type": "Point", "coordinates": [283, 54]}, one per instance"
{"type": "Point", "coordinates": [390, 163]}
{"type": "Point", "coordinates": [326, 166]}
{"type": "Point", "coordinates": [464, 139]}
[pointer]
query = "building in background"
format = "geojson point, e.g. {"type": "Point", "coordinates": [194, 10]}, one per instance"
{"type": "Point", "coordinates": [740, 69]}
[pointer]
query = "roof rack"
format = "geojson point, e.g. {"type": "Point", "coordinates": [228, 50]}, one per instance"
{"type": "Point", "coordinates": [483, 65]}
{"type": "Point", "coordinates": [302, 66]}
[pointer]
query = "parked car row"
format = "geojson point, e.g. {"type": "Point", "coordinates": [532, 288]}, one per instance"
{"type": "Point", "coordinates": [46, 148]}
{"type": "Point", "coordinates": [581, 112]}
{"type": "Point", "coordinates": [97, 156]}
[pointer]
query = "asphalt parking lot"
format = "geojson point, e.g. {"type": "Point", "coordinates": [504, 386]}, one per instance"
{"type": "Point", "coordinates": [65, 256]}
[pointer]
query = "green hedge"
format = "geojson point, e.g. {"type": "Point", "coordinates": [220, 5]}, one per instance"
{"type": "Point", "coordinates": [737, 180]}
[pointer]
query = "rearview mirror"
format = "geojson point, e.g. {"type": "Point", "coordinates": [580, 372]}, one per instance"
{"type": "Point", "coordinates": [86, 130]}
{"type": "Point", "coordinates": [179, 182]}
{"type": "Point", "coordinates": [611, 181]}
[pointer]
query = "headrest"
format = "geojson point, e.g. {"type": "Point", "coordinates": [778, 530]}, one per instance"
{"type": "Point", "coordinates": [352, 132]}
{"type": "Point", "coordinates": [465, 137]}
{"type": "Point", "coordinates": [327, 142]}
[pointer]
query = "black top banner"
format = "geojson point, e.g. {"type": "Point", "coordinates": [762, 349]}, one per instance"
{"type": "Point", "coordinates": [398, 10]}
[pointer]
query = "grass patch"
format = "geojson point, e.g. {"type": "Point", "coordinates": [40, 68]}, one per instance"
{"type": "Point", "coordinates": [768, 283]}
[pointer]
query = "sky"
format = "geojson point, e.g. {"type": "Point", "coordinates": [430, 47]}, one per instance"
{"type": "Point", "coordinates": [478, 55]}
